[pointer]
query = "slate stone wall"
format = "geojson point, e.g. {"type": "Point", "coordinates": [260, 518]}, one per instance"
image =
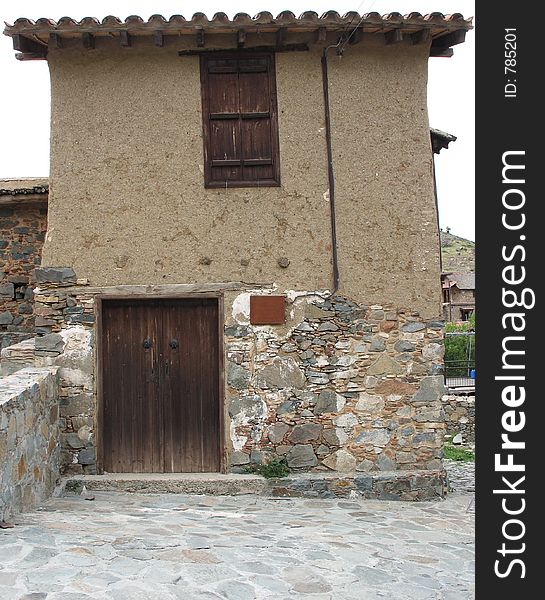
{"type": "Point", "coordinates": [22, 234]}
{"type": "Point", "coordinates": [460, 416]}
{"type": "Point", "coordinates": [29, 439]}
{"type": "Point", "coordinates": [341, 387]}
{"type": "Point", "coordinates": [349, 388]}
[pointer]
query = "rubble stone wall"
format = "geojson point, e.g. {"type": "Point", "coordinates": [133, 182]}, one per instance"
{"type": "Point", "coordinates": [340, 387]}
{"type": "Point", "coordinates": [22, 234]}
{"type": "Point", "coordinates": [460, 416]}
{"type": "Point", "coordinates": [29, 439]}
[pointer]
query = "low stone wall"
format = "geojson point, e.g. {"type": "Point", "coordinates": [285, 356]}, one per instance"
{"type": "Point", "coordinates": [390, 485]}
{"type": "Point", "coordinates": [17, 357]}
{"type": "Point", "coordinates": [29, 438]}
{"type": "Point", "coordinates": [460, 416]}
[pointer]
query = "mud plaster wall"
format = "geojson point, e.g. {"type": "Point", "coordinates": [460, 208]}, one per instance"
{"type": "Point", "coordinates": [127, 198]}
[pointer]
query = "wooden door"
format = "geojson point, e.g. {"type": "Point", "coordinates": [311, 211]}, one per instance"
{"type": "Point", "coordinates": [160, 400]}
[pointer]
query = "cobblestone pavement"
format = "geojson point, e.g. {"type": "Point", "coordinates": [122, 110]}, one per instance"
{"type": "Point", "coordinates": [159, 547]}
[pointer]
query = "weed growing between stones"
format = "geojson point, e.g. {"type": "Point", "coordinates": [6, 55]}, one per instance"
{"type": "Point", "coordinates": [273, 469]}
{"type": "Point", "coordinates": [459, 454]}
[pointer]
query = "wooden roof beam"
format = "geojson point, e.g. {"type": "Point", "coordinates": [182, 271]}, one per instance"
{"type": "Point", "coordinates": [356, 37]}
{"type": "Point", "coordinates": [88, 40]}
{"type": "Point", "coordinates": [450, 39]}
{"type": "Point", "coordinates": [55, 40]}
{"type": "Point", "coordinates": [441, 52]}
{"type": "Point", "coordinates": [393, 37]}
{"type": "Point", "coordinates": [124, 38]}
{"type": "Point", "coordinates": [421, 37]}
{"type": "Point", "coordinates": [321, 34]}
{"type": "Point", "coordinates": [28, 46]}
{"type": "Point", "coordinates": [281, 36]}
{"type": "Point", "coordinates": [158, 38]}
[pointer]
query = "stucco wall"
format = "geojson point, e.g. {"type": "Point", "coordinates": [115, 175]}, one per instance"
{"type": "Point", "coordinates": [127, 197]}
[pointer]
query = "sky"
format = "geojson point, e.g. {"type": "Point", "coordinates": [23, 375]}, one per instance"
{"type": "Point", "coordinates": [25, 103]}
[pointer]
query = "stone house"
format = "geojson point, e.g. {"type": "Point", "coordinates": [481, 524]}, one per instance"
{"type": "Point", "coordinates": [242, 251]}
{"type": "Point", "coordinates": [23, 222]}
{"type": "Point", "coordinates": [458, 295]}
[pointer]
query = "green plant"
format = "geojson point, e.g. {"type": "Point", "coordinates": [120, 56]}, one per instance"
{"type": "Point", "coordinates": [274, 468]}
{"type": "Point", "coordinates": [460, 349]}
{"type": "Point", "coordinates": [458, 454]}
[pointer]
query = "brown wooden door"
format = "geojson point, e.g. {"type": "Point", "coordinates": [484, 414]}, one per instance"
{"type": "Point", "coordinates": [160, 386]}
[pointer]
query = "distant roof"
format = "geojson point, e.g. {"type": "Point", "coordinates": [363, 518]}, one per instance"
{"type": "Point", "coordinates": [463, 281]}
{"type": "Point", "coordinates": [24, 186]}
{"type": "Point", "coordinates": [440, 140]}
{"type": "Point", "coordinates": [33, 38]}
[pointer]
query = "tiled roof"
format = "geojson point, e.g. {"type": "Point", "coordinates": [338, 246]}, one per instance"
{"type": "Point", "coordinates": [463, 281]}
{"type": "Point", "coordinates": [440, 140]}
{"type": "Point", "coordinates": [18, 187]}
{"type": "Point", "coordinates": [37, 33]}
{"type": "Point", "coordinates": [330, 19]}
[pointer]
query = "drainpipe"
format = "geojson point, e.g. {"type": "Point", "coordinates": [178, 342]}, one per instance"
{"type": "Point", "coordinates": [331, 179]}
{"type": "Point", "coordinates": [437, 212]}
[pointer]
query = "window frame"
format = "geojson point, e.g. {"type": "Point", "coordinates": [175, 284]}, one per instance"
{"type": "Point", "coordinates": [273, 119]}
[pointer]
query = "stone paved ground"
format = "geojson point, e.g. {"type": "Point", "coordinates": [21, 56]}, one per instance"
{"type": "Point", "coordinates": [159, 547]}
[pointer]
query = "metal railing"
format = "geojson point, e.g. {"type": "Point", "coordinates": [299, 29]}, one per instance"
{"type": "Point", "coordinates": [461, 372]}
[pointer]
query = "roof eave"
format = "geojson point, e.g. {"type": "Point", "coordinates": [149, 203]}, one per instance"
{"type": "Point", "coordinates": [32, 39]}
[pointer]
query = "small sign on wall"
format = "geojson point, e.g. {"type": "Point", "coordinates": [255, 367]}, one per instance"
{"type": "Point", "coordinates": [267, 310]}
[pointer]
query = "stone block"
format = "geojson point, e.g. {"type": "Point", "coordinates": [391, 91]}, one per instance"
{"type": "Point", "coordinates": [301, 456]}
{"type": "Point", "coordinates": [240, 458]}
{"type": "Point", "coordinates": [61, 275]}
{"type": "Point", "coordinates": [284, 372]}
{"type": "Point", "coordinates": [6, 318]}
{"type": "Point", "coordinates": [7, 291]}
{"type": "Point", "coordinates": [277, 431]}
{"type": "Point", "coordinates": [432, 388]}
{"type": "Point", "coordinates": [342, 461]}
{"type": "Point", "coordinates": [329, 401]}
{"type": "Point", "coordinates": [237, 377]}
{"type": "Point", "coordinates": [374, 437]}
{"type": "Point", "coordinates": [413, 327]}
{"type": "Point", "coordinates": [302, 434]}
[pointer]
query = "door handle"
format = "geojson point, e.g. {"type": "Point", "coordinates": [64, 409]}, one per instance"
{"type": "Point", "coordinates": [147, 344]}
{"type": "Point", "coordinates": [174, 344]}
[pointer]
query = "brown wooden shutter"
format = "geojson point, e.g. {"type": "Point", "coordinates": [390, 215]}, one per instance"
{"type": "Point", "coordinates": [240, 120]}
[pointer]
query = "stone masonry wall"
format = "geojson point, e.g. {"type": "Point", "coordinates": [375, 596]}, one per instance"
{"type": "Point", "coordinates": [460, 416]}
{"type": "Point", "coordinates": [22, 234]}
{"type": "Point", "coordinates": [340, 387]}
{"type": "Point", "coordinates": [29, 439]}
{"type": "Point", "coordinates": [349, 388]}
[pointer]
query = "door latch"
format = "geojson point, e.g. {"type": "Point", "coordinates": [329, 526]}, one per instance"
{"type": "Point", "coordinates": [174, 344]}
{"type": "Point", "coordinates": [147, 343]}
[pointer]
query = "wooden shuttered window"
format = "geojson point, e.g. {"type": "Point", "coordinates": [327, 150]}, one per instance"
{"type": "Point", "coordinates": [240, 120]}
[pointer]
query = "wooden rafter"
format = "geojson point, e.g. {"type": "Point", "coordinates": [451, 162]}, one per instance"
{"type": "Point", "coordinates": [28, 46]}
{"type": "Point", "coordinates": [394, 36]}
{"type": "Point", "coordinates": [421, 37]}
{"type": "Point", "coordinates": [124, 38]}
{"type": "Point", "coordinates": [158, 38]}
{"type": "Point", "coordinates": [88, 40]}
